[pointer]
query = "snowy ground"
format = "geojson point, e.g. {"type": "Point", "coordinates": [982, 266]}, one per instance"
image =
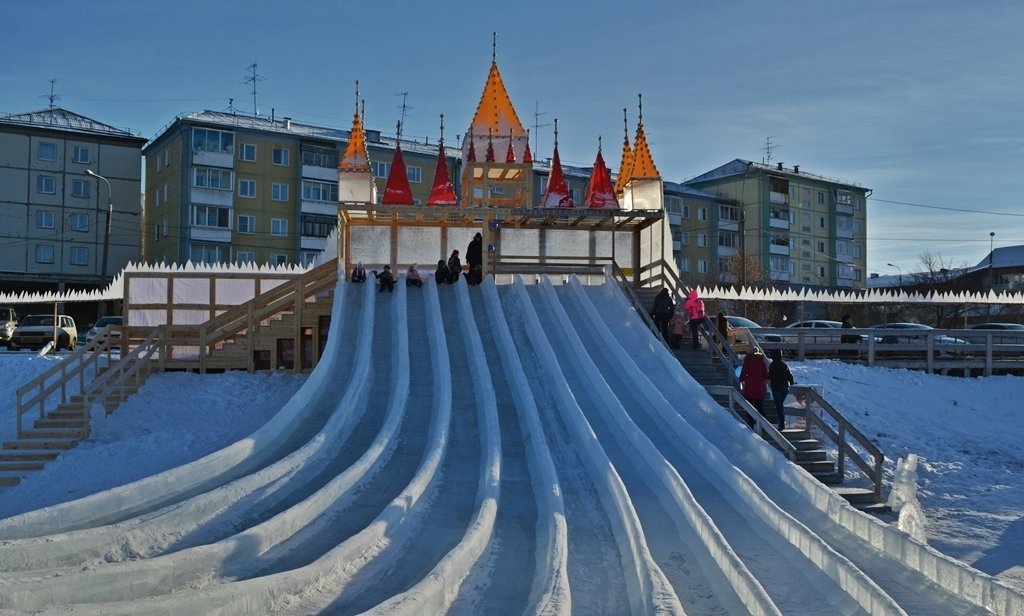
{"type": "Point", "coordinates": [966, 433]}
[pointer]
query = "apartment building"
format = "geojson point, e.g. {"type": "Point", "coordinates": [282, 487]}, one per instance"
{"type": "Point", "coordinates": [230, 188]}
{"type": "Point", "coordinates": [803, 229]}
{"type": "Point", "coordinates": [54, 228]}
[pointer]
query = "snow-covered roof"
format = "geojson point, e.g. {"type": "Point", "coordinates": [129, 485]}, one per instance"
{"type": "Point", "coordinates": [740, 166]}
{"type": "Point", "coordinates": [57, 118]}
{"type": "Point", "coordinates": [1006, 256]}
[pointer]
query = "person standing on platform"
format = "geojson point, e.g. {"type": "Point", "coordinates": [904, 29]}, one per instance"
{"type": "Point", "coordinates": [475, 259]}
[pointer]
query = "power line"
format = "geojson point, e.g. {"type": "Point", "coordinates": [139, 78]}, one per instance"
{"type": "Point", "coordinates": [948, 209]}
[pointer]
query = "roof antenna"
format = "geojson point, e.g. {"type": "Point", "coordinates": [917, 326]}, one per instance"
{"type": "Point", "coordinates": [404, 107]}
{"type": "Point", "coordinates": [537, 113]}
{"type": "Point", "coordinates": [768, 147]}
{"type": "Point", "coordinates": [252, 79]}
{"type": "Point", "coordinates": [53, 96]}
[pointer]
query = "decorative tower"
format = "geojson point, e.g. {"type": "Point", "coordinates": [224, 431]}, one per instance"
{"type": "Point", "coordinates": [556, 194]}
{"type": "Point", "coordinates": [600, 193]}
{"type": "Point", "coordinates": [643, 189]}
{"type": "Point", "coordinates": [397, 191]}
{"type": "Point", "coordinates": [626, 168]}
{"type": "Point", "coordinates": [496, 126]}
{"type": "Point", "coordinates": [442, 192]}
{"type": "Point", "coordinates": [355, 180]}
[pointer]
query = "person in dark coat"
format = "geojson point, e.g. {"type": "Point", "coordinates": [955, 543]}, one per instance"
{"type": "Point", "coordinates": [454, 267]}
{"type": "Point", "coordinates": [475, 259]}
{"type": "Point", "coordinates": [722, 325]}
{"type": "Point", "coordinates": [846, 339]}
{"type": "Point", "coordinates": [661, 312]}
{"type": "Point", "coordinates": [754, 378]}
{"type": "Point", "coordinates": [441, 274]}
{"type": "Point", "coordinates": [779, 379]}
{"type": "Point", "coordinates": [358, 273]}
{"type": "Point", "coordinates": [386, 280]}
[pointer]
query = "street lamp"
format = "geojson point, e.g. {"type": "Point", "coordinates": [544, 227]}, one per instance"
{"type": "Point", "coordinates": [106, 237]}
{"type": "Point", "coordinates": [900, 270]}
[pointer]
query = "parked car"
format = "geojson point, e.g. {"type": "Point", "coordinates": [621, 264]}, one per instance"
{"type": "Point", "coordinates": [115, 334]}
{"type": "Point", "coordinates": [913, 333]}
{"type": "Point", "coordinates": [36, 330]}
{"type": "Point", "coordinates": [8, 321]}
{"type": "Point", "coordinates": [737, 337]}
{"type": "Point", "coordinates": [1003, 326]}
{"type": "Point", "coordinates": [1009, 336]}
{"type": "Point", "coordinates": [822, 331]}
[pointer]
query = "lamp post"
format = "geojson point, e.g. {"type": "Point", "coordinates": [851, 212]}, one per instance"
{"type": "Point", "coordinates": [991, 277]}
{"type": "Point", "coordinates": [900, 269]}
{"type": "Point", "coordinates": [110, 211]}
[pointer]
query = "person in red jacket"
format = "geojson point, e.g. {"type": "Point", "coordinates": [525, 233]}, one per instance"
{"type": "Point", "coordinates": [754, 378]}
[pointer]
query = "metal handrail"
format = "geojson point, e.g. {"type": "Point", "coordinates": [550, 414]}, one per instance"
{"type": "Point", "coordinates": [762, 427]}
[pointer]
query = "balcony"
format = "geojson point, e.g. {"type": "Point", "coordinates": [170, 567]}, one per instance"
{"type": "Point", "coordinates": [324, 174]}
{"type": "Point", "coordinates": [778, 223]}
{"type": "Point", "coordinates": [213, 159]}
{"type": "Point", "coordinates": [777, 197]}
{"type": "Point", "coordinates": [210, 234]}
{"type": "Point", "coordinates": [779, 249]}
{"type": "Point", "coordinates": [325, 208]}
{"type": "Point", "coordinates": [310, 242]}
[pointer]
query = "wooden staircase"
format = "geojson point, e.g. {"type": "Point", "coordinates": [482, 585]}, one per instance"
{"type": "Point", "coordinates": [231, 341]}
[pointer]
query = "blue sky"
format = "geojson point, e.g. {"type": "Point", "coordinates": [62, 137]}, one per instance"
{"type": "Point", "coordinates": [918, 100]}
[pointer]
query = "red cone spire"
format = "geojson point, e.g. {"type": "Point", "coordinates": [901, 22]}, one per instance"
{"type": "Point", "coordinates": [442, 192]}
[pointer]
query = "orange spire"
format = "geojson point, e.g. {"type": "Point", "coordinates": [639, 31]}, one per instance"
{"type": "Point", "coordinates": [643, 162]}
{"type": "Point", "coordinates": [356, 157]}
{"type": "Point", "coordinates": [626, 168]}
{"type": "Point", "coordinates": [397, 191]}
{"type": "Point", "coordinates": [600, 193]}
{"type": "Point", "coordinates": [442, 192]}
{"type": "Point", "coordinates": [495, 111]}
{"type": "Point", "coordinates": [556, 194]}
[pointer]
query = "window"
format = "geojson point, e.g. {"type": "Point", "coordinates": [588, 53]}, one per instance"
{"type": "Point", "coordinates": [574, 195]}
{"type": "Point", "coordinates": [380, 170]}
{"type": "Point", "coordinates": [158, 231]}
{"type": "Point", "coordinates": [281, 156]}
{"type": "Point", "coordinates": [684, 264]}
{"type": "Point", "coordinates": [79, 255]}
{"type": "Point", "coordinates": [415, 174]}
{"type": "Point", "coordinates": [309, 256]}
{"type": "Point", "coordinates": [314, 156]}
{"type": "Point", "coordinates": [78, 221]}
{"type": "Point", "coordinates": [80, 188]}
{"type": "Point", "coordinates": [278, 259]}
{"type": "Point", "coordinates": [821, 222]}
{"type": "Point", "coordinates": [245, 256]}
{"type": "Point", "coordinates": [673, 205]}
{"type": "Point", "coordinates": [729, 213]}
{"type": "Point", "coordinates": [44, 253]}
{"type": "Point", "coordinates": [779, 263]}
{"type": "Point", "coordinates": [702, 240]}
{"type": "Point", "coordinates": [821, 197]}
{"type": "Point", "coordinates": [727, 239]}
{"type": "Point", "coordinates": [247, 188]}
{"type": "Point", "coordinates": [167, 193]}
{"type": "Point", "coordinates": [46, 185]}
{"type": "Point", "coordinates": [210, 216]}
{"type": "Point", "coordinates": [246, 223]}
{"type": "Point", "coordinates": [44, 219]}
{"type": "Point", "coordinates": [81, 155]}
{"type": "Point", "coordinates": [686, 211]}
{"type": "Point", "coordinates": [47, 151]}
{"type": "Point", "coordinates": [279, 192]}
{"type": "Point", "coordinates": [821, 271]}
{"type": "Point", "coordinates": [702, 213]}
{"type": "Point", "coordinates": [684, 238]}
{"type": "Point", "coordinates": [279, 227]}
{"type": "Point", "coordinates": [209, 140]}
{"type": "Point", "coordinates": [821, 246]}
{"type": "Point", "coordinates": [156, 198]}
{"type": "Point", "coordinates": [702, 266]}
{"type": "Point", "coordinates": [167, 158]}
{"type": "Point", "coordinates": [319, 191]}
{"type": "Point", "coordinates": [247, 152]}
{"type": "Point", "coordinates": [779, 240]}
{"type": "Point", "coordinates": [200, 252]}
{"type": "Point", "coordinates": [317, 225]}
{"type": "Point", "coordinates": [208, 177]}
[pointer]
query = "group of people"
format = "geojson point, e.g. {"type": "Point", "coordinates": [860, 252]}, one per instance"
{"type": "Point", "coordinates": [671, 322]}
{"type": "Point", "coordinates": [447, 272]}
{"type": "Point", "coordinates": [757, 375]}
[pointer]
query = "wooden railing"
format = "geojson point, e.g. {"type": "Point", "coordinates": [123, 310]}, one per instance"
{"type": "Point", "coordinates": [815, 410]}
{"type": "Point", "coordinates": [192, 345]}
{"type": "Point", "coordinates": [66, 378]}
{"type": "Point", "coordinates": [127, 375]}
{"type": "Point", "coordinates": [742, 410]}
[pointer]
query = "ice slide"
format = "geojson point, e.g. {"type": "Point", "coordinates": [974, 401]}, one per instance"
{"type": "Point", "coordinates": [512, 449]}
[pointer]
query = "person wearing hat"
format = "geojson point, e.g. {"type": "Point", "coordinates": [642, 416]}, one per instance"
{"type": "Point", "coordinates": [474, 256]}
{"type": "Point", "coordinates": [454, 267]}
{"type": "Point", "coordinates": [386, 280]}
{"type": "Point", "coordinates": [358, 273]}
{"type": "Point", "coordinates": [412, 277]}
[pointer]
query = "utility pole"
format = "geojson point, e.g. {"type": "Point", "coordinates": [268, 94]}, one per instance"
{"type": "Point", "coordinates": [252, 79]}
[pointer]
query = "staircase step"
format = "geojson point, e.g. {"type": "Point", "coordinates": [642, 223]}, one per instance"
{"type": "Point", "coordinates": [8, 480]}
{"type": "Point", "coordinates": [55, 433]}
{"type": "Point", "coordinates": [858, 495]}
{"type": "Point", "coordinates": [37, 443]}
{"type": "Point", "coordinates": [828, 478]}
{"type": "Point", "coordinates": [817, 466]}
{"type": "Point", "coordinates": [811, 455]}
{"type": "Point", "coordinates": [49, 424]}
{"type": "Point", "coordinates": [21, 466]}
{"type": "Point", "coordinates": [806, 444]}
{"type": "Point", "coordinates": [28, 455]}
